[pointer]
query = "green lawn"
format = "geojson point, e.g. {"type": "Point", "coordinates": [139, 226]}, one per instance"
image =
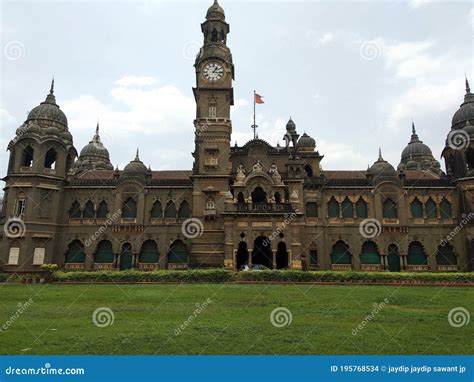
{"type": "Point", "coordinates": [236, 320]}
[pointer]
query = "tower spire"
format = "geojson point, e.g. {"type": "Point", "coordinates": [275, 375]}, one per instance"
{"type": "Point", "coordinates": [97, 128]}
{"type": "Point", "coordinates": [380, 154]}
{"type": "Point", "coordinates": [413, 131]}
{"type": "Point", "coordinates": [468, 89]}
{"type": "Point", "coordinates": [51, 91]}
{"type": "Point", "coordinates": [137, 157]}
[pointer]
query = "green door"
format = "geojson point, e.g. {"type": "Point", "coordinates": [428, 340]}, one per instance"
{"type": "Point", "coordinates": [126, 257]}
{"type": "Point", "coordinates": [393, 259]}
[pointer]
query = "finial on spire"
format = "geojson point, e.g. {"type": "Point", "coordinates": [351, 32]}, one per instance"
{"type": "Point", "coordinates": [380, 154]}
{"type": "Point", "coordinates": [97, 128]}
{"type": "Point", "coordinates": [468, 89]}
{"type": "Point", "coordinates": [137, 157]}
{"type": "Point", "coordinates": [413, 127]}
{"type": "Point", "coordinates": [51, 91]}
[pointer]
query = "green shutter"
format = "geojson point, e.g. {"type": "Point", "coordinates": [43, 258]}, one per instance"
{"type": "Point", "coordinates": [430, 208]}
{"type": "Point", "coordinates": [126, 257]}
{"type": "Point", "coordinates": [369, 254]}
{"type": "Point", "coordinates": [149, 253]}
{"type": "Point", "coordinates": [184, 211]}
{"type": "Point", "coordinates": [393, 259]}
{"type": "Point", "coordinates": [104, 253]}
{"type": "Point", "coordinates": [389, 209]}
{"type": "Point", "coordinates": [340, 254]}
{"type": "Point", "coordinates": [313, 257]}
{"type": "Point", "coordinates": [445, 209]}
{"type": "Point", "coordinates": [347, 209]}
{"type": "Point", "coordinates": [417, 209]}
{"type": "Point", "coordinates": [178, 253]}
{"type": "Point", "coordinates": [103, 210]}
{"type": "Point", "coordinates": [361, 209]}
{"type": "Point", "coordinates": [75, 253]}
{"type": "Point", "coordinates": [416, 255]}
{"type": "Point", "coordinates": [156, 212]}
{"type": "Point", "coordinates": [333, 208]}
{"type": "Point", "coordinates": [312, 209]}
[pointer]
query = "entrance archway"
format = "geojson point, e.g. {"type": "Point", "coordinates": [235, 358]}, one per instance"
{"type": "Point", "coordinates": [262, 252]}
{"type": "Point", "coordinates": [126, 257]}
{"type": "Point", "coordinates": [393, 258]}
{"type": "Point", "coordinates": [281, 256]}
{"type": "Point", "coordinates": [242, 255]}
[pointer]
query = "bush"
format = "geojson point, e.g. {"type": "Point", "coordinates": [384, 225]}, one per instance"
{"type": "Point", "coordinates": [222, 276]}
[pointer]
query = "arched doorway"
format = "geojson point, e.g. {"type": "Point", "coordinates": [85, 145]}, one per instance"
{"type": "Point", "coordinates": [281, 256]}
{"type": "Point", "coordinates": [149, 253]}
{"type": "Point", "coordinates": [126, 257]}
{"type": "Point", "coordinates": [178, 254]}
{"type": "Point", "coordinates": [242, 255]}
{"type": "Point", "coordinates": [393, 258]}
{"type": "Point", "coordinates": [262, 252]}
{"type": "Point", "coordinates": [258, 195]}
{"type": "Point", "coordinates": [369, 253]}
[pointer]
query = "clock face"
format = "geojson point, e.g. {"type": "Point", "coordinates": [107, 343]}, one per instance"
{"type": "Point", "coordinates": [213, 71]}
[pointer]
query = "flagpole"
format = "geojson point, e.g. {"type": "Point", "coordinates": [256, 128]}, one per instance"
{"type": "Point", "coordinates": [254, 123]}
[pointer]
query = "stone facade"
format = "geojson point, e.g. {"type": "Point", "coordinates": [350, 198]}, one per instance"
{"type": "Point", "coordinates": [239, 205]}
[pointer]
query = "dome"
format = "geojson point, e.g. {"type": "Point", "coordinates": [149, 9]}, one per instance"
{"type": "Point", "coordinates": [215, 11]}
{"type": "Point", "coordinates": [381, 167]}
{"type": "Point", "coordinates": [95, 148]}
{"type": "Point", "coordinates": [415, 147]}
{"type": "Point", "coordinates": [48, 111]}
{"type": "Point", "coordinates": [466, 110]}
{"type": "Point", "coordinates": [135, 167]}
{"type": "Point", "coordinates": [306, 141]}
{"type": "Point", "coordinates": [290, 126]}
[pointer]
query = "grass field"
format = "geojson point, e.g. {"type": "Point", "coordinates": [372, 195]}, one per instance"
{"type": "Point", "coordinates": [232, 319]}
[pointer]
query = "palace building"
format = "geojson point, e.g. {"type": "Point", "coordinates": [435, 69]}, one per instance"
{"type": "Point", "coordinates": [252, 204]}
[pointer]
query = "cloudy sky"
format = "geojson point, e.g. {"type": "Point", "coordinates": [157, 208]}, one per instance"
{"type": "Point", "coordinates": [350, 74]}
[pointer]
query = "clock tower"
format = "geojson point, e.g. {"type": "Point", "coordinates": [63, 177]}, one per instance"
{"type": "Point", "coordinates": [211, 170]}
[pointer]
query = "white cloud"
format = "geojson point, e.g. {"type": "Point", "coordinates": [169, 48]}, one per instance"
{"type": "Point", "coordinates": [326, 39]}
{"type": "Point", "coordinates": [135, 81]}
{"type": "Point", "coordinates": [317, 38]}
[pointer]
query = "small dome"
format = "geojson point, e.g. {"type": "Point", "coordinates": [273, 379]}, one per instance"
{"type": "Point", "coordinates": [215, 12]}
{"type": "Point", "coordinates": [135, 167]}
{"type": "Point", "coordinates": [381, 167]}
{"type": "Point", "coordinates": [306, 141]}
{"type": "Point", "coordinates": [94, 155]}
{"type": "Point", "coordinates": [290, 126]}
{"type": "Point", "coordinates": [415, 147]}
{"type": "Point", "coordinates": [48, 111]}
{"type": "Point", "coordinates": [466, 110]}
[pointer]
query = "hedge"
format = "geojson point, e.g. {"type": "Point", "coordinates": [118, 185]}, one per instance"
{"type": "Point", "coordinates": [222, 276]}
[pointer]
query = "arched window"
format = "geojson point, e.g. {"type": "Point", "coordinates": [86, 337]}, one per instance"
{"type": "Point", "coordinates": [178, 253]}
{"type": "Point", "coordinates": [27, 157]}
{"type": "Point", "coordinates": [416, 254]}
{"type": "Point", "coordinates": [170, 211]}
{"type": "Point", "coordinates": [129, 209]}
{"type": "Point", "coordinates": [184, 210]}
{"type": "Point", "coordinates": [89, 212]}
{"type": "Point", "coordinates": [361, 209]}
{"type": "Point", "coordinates": [156, 211]}
{"type": "Point", "coordinates": [445, 209]}
{"type": "Point", "coordinates": [240, 198]}
{"type": "Point", "coordinates": [308, 170]}
{"type": "Point", "coordinates": [104, 253]}
{"type": "Point", "coordinates": [258, 195]}
{"type": "Point", "coordinates": [333, 208]}
{"type": "Point", "coordinates": [312, 209]}
{"type": "Point", "coordinates": [416, 209]}
{"type": "Point", "coordinates": [430, 208]}
{"type": "Point", "coordinates": [340, 254]}
{"type": "Point", "coordinates": [149, 252]}
{"type": "Point", "coordinates": [50, 159]}
{"type": "Point", "coordinates": [347, 208]}
{"type": "Point", "coordinates": [445, 255]}
{"type": "Point", "coordinates": [75, 210]}
{"type": "Point", "coordinates": [75, 253]}
{"type": "Point", "coordinates": [389, 209]}
{"type": "Point", "coordinates": [369, 253]}
{"type": "Point", "coordinates": [103, 210]}
{"type": "Point", "coordinates": [69, 162]}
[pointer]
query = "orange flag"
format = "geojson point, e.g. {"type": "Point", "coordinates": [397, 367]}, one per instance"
{"type": "Point", "coordinates": [258, 98]}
